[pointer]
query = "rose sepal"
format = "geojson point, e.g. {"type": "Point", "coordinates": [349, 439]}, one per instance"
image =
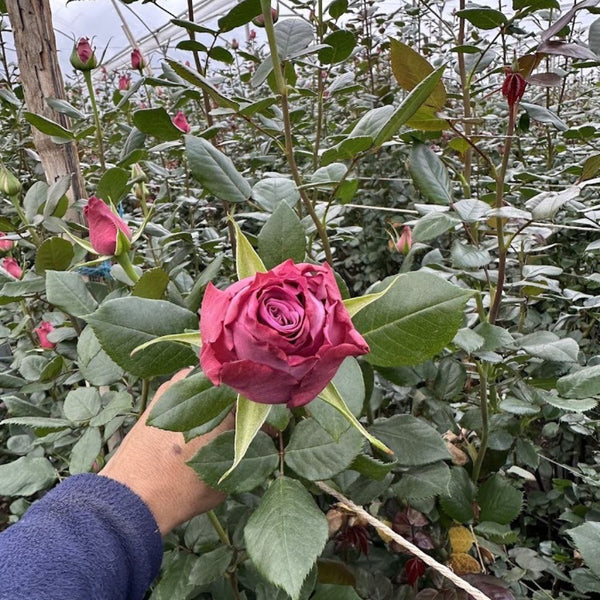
{"type": "Point", "coordinates": [192, 338]}
{"type": "Point", "coordinates": [355, 305]}
{"type": "Point", "coordinates": [249, 418]}
{"type": "Point", "coordinates": [331, 395]}
{"type": "Point", "coordinates": [85, 245]}
{"type": "Point", "coordinates": [140, 230]}
{"type": "Point", "coordinates": [247, 261]}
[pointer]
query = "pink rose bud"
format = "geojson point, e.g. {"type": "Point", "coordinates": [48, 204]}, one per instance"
{"type": "Point", "coordinates": [5, 244]}
{"type": "Point", "coordinates": [11, 266]}
{"type": "Point", "coordinates": [181, 122]}
{"type": "Point", "coordinates": [42, 331]}
{"type": "Point", "coordinates": [259, 20]}
{"type": "Point", "coordinates": [252, 35]}
{"type": "Point", "coordinates": [235, 44]}
{"type": "Point", "coordinates": [104, 226]}
{"type": "Point", "coordinates": [513, 87]}
{"type": "Point", "coordinates": [124, 82]}
{"type": "Point", "coordinates": [277, 337]}
{"type": "Point", "coordinates": [404, 242]}
{"type": "Point", "coordinates": [137, 60]}
{"type": "Point", "coordinates": [82, 56]}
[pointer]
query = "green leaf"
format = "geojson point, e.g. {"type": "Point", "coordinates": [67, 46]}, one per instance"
{"type": "Point", "coordinates": [56, 193]}
{"type": "Point", "coordinates": [355, 305]}
{"type": "Point", "coordinates": [68, 292]}
{"type": "Point", "coordinates": [543, 115]}
{"type": "Point", "coordinates": [249, 418]}
{"type": "Point", "coordinates": [85, 451]}
{"type": "Point", "coordinates": [123, 324]}
{"type": "Point", "coordinates": [215, 171]}
{"type": "Point", "coordinates": [118, 403]}
{"type": "Point", "coordinates": [548, 346]}
{"type": "Point", "coordinates": [568, 404]}
{"type": "Point", "coordinates": [581, 384]}
{"type": "Point", "coordinates": [424, 482]}
{"type": "Point", "coordinates": [292, 37]}
{"type": "Point", "coordinates": [313, 454]}
{"type": "Point", "coordinates": [413, 321]}
{"type": "Point", "coordinates": [414, 442]}
{"type": "Point", "coordinates": [81, 404]}
{"type": "Point", "coordinates": [194, 298]}
{"type": "Point", "coordinates": [113, 185]}
{"type": "Point", "coordinates": [347, 149]}
{"type": "Point", "coordinates": [189, 338]}
{"type": "Point", "coordinates": [48, 126]}
{"type": "Point", "coordinates": [458, 504]}
{"type": "Point", "coordinates": [63, 107]}
{"type": "Point", "coordinates": [433, 225]}
{"type": "Point", "coordinates": [216, 458]}
{"type": "Point", "coordinates": [330, 591]}
{"type": "Point", "coordinates": [409, 107]}
{"type": "Point", "coordinates": [240, 14]}
{"type": "Point", "coordinates": [499, 501]}
{"type": "Point", "coordinates": [210, 566]}
{"type": "Point", "coordinates": [190, 403]}
{"type": "Point", "coordinates": [341, 44]}
{"type": "Point", "coordinates": [38, 423]}
{"type": "Point", "coordinates": [494, 337]}
{"type": "Point", "coordinates": [285, 535]}
{"type": "Point", "coordinates": [430, 175]}
{"type": "Point", "coordinates": [282, 237]}
{"type": "Point", "coordinates": [26, 476]}
{"type": "Point", "coordinates": [152, 284]}
{"type": "Point", "coordinates": [483, 18]}
{"type": "Point", "coordinates": [191, 26]}
{"type": "Point", "coordinates": [54, 254]}
{"type": "Point", "coordinates": [271, 191]}
{"type": "Point", "coordinates": [331, 395]}
{"type": "Point", "coordinates": [247, 261]}
{"type": "Point", "coordinates": [156, 122]}
{"type": "Point", "coordinates": [587, 541]}
{"type": "Point", "coordinates": [594, 37]}
{"type": "Point", "coordinates": [372, 467]}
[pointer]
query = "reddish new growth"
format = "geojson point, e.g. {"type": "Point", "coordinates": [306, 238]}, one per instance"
{"type": "Point", "coordinates": [513, 87]}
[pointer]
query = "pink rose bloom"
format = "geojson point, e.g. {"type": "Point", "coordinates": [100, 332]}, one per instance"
{"type": "Point", "coordinates": [137, 60]}
{"type": "Point", "coordinates": [11, 266]}
{"type": "Point", "coordinates": [124, 82]}
{"type": "Point", "coordinates": [5, 244]}
{"type": "Point", "coordinates": [42, 331]}
{"type": "Point", "coordinates": [181, 122]}
{"type": "Point", "coordinates": [277, 337]}
{"type": "Point", "coordinates": [104, 225]}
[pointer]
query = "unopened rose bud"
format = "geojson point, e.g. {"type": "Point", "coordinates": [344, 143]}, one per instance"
{"type": "Point", "coordinates": [5, 244]}
{"type": "Point", "coordinates": [9, 184]}
{"type": "Point", "coordinates": [252, 35]}
{"type": "Point", "coordinates": [42, 332]}
{"type": "Point", "coordinates": [11, 266]}
{"type": "Point", "coordinates": [404, 242]}
{"type": "Point", "coordinates": [124, 82]}
{"type": "Point", "coordinates": [513, 87]}
{"type": "Point", "coordinates": [137, 173]}
{"type": "Point", "coordinates": [259, 20]}
{"type": "Point", "coordinates": [180, 121]}
{"type": "Point", "coordinates": [82, 56]}
{"type": "Point", "coordinates": [235, 44]}
{"type": "Point", "coordinates": [137, 60]}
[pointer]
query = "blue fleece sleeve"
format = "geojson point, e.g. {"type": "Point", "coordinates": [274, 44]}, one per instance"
{"type": "Point", "coordinates": [90, 538]}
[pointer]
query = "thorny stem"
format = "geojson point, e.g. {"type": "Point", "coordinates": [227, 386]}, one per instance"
{"type": "Point", "coordinates": [466, 99]}
{"type": "Point", "coordinates": [483, 407]}
{"type": "Point", "coordinates": [87, 75]}
{"type": "Point", "coordinates": [281, 87]}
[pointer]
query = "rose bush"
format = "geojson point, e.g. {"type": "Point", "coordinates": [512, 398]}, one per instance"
{"type": "Point", "coordinates": [104, 226]}
{"type": "Point", "coordinates": [277, 337]}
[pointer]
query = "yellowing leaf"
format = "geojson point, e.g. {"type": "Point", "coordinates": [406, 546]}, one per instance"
{"type": "Point", "coordinates": [462, 564]}
{"type": "Point", "coordinates": [461, 539]}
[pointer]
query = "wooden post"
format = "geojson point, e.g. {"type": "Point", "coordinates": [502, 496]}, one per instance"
{"type": "Point", "coordinates": [31, 22]}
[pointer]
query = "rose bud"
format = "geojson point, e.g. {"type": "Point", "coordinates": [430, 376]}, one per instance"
{"type": "Point", "coordinates": [404, 242]}
{"type": "Point", "coordinates": [82, 56]}
{"type": "Point", "coordinates": [9, 184]}
{"type": "Point", "coordinates": [42, 331]}
{"type": "Point", "coordinates": [124, 82]}
{"type": "Point", "coordinates": [5, 244]}
{"type": "Point", "coordinates": [252, 35]}
{"type": "Point", "coordinates": [11, 266]}
{"type": "Point", "coordinates": [137, 60]}
{"type": "Point", "coordinates": [513, 87]}
{"type": "Point", "coordinates": [259, 20]}
{"type": "Point", "coordinates": [181, 122]}
{"type": "Point", "coordinates": [104, 226]}
{"type": "Point", "coordinates": [277, 337]}
{"type": "Point", "coordinates": [235, 44]}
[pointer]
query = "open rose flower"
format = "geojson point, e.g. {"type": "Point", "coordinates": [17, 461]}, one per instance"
{"type": "Point", "coordinates": [104, 225]}
{"type": "Point", "coordinates": [42, 331]}
{"type": "Point", "coordinates": [277, 337]}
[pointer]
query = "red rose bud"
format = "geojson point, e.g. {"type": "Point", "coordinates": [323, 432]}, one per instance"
{"type": "Point", "coordinates": [82, 56]}
{"type": "Point", "coordinates": [181, 122]}
{"type": "Point", "coordinates": [259, 20]}
{"type": "Point", "coordinates": [5, 244]}
{"type": "Point", "coordinates": [404, 242]}
{"type": "Point", "coordinates": [124, 82]}
{"type": "Point", "coordinates": [277, 337]}
{"type": "Point", "coordinates": [252, 35]}
{"type": "Point", "coordinates": [11, 266]}
{"type": "Point", "coordinates": [42, 332]}
{"type": "Point", "coordinates": [513, 87]}
{"type": "Point", "coordinates": [104, 226]}
{"type": "Point", "coordinates": [137, 60]}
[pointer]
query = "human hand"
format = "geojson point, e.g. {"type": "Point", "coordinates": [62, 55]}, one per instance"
{"type": "Point", "coordinates": [151, 462]}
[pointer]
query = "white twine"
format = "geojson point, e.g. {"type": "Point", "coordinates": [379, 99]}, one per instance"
{"type": "Point", "coordinates": [404, 543]}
